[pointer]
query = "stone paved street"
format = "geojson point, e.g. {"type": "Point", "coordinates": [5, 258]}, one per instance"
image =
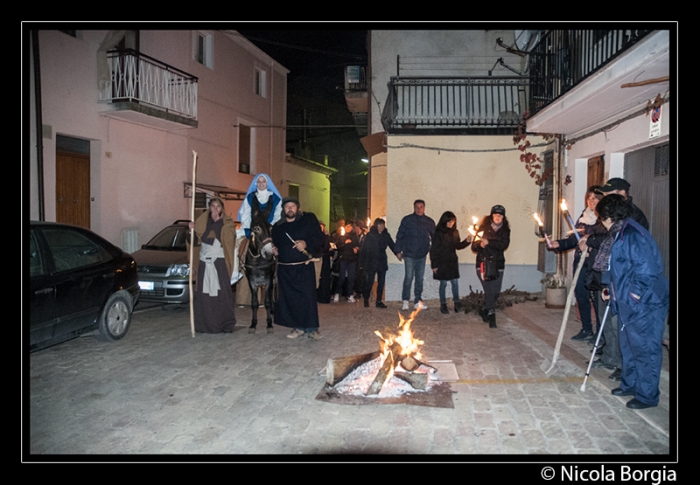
{"type": "Point", "coordinates": [161, 391]}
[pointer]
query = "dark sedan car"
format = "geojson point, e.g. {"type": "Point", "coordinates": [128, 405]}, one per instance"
{"type": "Point", "coordinates": [163, 265]}
{"type": "Point", "coordinates": [78, 282]}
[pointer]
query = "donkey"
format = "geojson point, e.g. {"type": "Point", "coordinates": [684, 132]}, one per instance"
{"type": "Point", "coordinates": [259, 263]}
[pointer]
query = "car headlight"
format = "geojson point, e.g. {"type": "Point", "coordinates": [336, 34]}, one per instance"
{"type": "Point", "coordinates": [180, 270]}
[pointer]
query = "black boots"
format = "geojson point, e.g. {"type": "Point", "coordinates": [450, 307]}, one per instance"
{"type": "Point", "coordinates": [458, 307]}
{"type": "Point", "coordinates": [443, 308]}
{"type": "Point", "coordinates": [491, 317]}
{"type": "Point", "coordinates": [483, 313]}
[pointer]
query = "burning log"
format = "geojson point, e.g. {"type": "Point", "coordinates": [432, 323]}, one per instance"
{"type": "Point", "coordinates": [386, 370]}
{"type": "Point", "coordinates": [337, 369]}
{"type": "Point", "coordinates": [419, 380]}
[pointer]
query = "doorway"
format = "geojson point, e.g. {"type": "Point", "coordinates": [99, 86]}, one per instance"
{"type": "Point", "coordinates": [73, 181]}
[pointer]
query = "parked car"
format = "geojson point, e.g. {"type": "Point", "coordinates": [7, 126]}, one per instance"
{"type": "Point", "coordinates": [79, 282]}
{"type": "Point", "coordinates": [163, 265]}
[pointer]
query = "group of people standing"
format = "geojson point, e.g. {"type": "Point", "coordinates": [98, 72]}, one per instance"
{"type": "Point", "coordinates": [623, 273]}
{"type": "Point", "coordinates": [418, 236]}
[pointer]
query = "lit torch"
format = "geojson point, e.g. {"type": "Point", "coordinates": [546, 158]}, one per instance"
{"type": "Point", "coordinates": [544, 234]}
{"type": "Point", "coordinates": [571, 221]}
{"type": "Point", "coordinates": [474, 228]}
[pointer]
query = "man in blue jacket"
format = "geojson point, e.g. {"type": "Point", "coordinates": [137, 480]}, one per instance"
{"type": "Point", "coordinates": [639, 294]}
{"type": "Point", "coordinates": [412, 246]}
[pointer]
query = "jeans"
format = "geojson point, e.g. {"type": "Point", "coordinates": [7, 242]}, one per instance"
{"type": "Point", "coordinates": [455, 290]}
{"type": "Point", "coordinates": [415, 268]}
{"type": "Point", "coordinates": [347, 269]}
{"type": "Point", "coordinates": [492, 289]}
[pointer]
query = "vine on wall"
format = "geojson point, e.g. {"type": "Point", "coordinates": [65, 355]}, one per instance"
{"type": "Point", "coordinates": [533, 163]}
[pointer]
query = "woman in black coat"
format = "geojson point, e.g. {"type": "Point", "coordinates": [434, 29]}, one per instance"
{"type": "Point", "coordinates": [443, 257]}
{"type": "Point", "coordinates": [489, 251]}
{"type": "Point", "coordinates": [374, 261]}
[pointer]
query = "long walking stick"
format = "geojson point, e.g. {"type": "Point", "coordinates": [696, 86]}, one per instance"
{"type": "Point", "coordinates": [595, 347]}
{"type": "Point", "coordinates": [194, 173]}
{"type": "Point", "coordinates": [569, 297]}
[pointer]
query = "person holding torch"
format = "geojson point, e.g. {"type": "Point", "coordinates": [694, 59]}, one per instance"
{"type": "Point", "coordinates": [586, 224]}
{"type": "Point", "coordinates": [490, 260]}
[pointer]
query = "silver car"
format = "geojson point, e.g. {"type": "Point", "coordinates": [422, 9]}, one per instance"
{"type": "Point", "coordinates": [163, 265]}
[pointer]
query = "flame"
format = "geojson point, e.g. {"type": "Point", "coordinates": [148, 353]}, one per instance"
{"type": "Point", "coordinates": [563, 205]}
{"type": "Point", "coordinates": [404, 337]}
{"type": "Point", "coordinates": [537, 218]}
{"type": "Point", "coordinates": [474, 227]}
{"type": "Point", "coordinates": [342, 231]}
{"type": "Point", "coordinates": [368, 222]}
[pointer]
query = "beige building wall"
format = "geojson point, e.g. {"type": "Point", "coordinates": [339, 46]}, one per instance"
{"type": "Point", "coordinates": [466, 175]}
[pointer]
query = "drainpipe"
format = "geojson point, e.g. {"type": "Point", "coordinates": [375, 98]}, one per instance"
{"type": "Point", "coordinates": [39, 122]}
{"type": "Point", "coordinates": [559, 192]}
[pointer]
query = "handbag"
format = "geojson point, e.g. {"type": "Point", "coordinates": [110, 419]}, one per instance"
{"type": "Point", "coordinates": [488, 269]}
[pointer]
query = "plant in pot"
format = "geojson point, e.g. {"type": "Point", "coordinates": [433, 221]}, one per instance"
{"type": "Point", "coordinates": [555, 290]}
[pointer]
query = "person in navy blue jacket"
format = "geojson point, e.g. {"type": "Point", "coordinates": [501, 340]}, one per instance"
{"type": "Point", "coordinates": [639, 294]}
{"type": "Point", "coordinates": [412, 246]}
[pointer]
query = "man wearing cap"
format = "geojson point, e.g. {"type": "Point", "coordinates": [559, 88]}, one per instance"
{"type": "Point", "coordinates": [611, 356]}
{"type": "Point", "coordinates": [296, 240]}
{"type": "Point", "coordinates": [621, 186]}
{"type": "Point", "coordinates": [412, 246]}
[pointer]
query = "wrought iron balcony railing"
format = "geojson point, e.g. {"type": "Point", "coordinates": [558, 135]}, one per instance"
{"type": "Point", "coordinates": [138, 78]}
{"type": "Point", "coordinates": [564, 58]}
{"type": "Point", "coordinates": [455, 105]}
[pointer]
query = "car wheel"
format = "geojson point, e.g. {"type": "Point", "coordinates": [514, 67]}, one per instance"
{"type": "Point", "coordinates": [115, 318]}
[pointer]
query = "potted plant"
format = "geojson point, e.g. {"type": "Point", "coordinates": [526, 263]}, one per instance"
{"type": "Point", "coordinates": [555, 290]}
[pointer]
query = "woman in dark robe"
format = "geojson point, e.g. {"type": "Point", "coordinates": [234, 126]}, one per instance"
{"type": "Point", "coordinates": [214, 301]}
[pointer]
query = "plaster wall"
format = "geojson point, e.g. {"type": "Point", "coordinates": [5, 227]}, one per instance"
{"type": "Point", "coordinates": [466, 175]}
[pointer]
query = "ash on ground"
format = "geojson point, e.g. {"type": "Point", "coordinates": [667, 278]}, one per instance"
{"type": "Point", "coordinates": [358, 381]}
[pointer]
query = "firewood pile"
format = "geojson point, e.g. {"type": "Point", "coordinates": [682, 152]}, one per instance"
{"type": "Point", "coordinates": [475, 299]}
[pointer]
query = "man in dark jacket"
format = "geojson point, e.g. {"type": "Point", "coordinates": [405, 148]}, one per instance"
{"type": "Point", "coordinates": [374, 261]}
{"type": "Point", "coordinates": [621, 186]}
{"type": "Point", "coordinates": [412, 246]}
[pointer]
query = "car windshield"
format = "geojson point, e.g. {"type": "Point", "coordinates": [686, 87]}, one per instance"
{"type": "Point", "coordinates": [171, 238]}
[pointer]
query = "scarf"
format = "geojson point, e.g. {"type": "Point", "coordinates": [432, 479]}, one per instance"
{"type": "Point", "coordinates": [209, 253]}
{"type": "Point", "coordinates": [588, 217]}
{"type": "Point", "coordinates": [602, 259]}
{"type": "Point", "coordinates": [263, 196]}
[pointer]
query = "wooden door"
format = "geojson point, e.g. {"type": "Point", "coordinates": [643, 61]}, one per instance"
{"type": "Point", "coordinates": [73, 189]}
{"type": "Point", "coordinates": [596, 167]}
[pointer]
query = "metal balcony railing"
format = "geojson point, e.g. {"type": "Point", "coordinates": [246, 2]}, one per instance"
{"type": "Point", "coordinates": [136, 77]}
{"type": "Point", "coordinates": [455, 105]}
{"type": "Point", "coordinates": [564, 58]}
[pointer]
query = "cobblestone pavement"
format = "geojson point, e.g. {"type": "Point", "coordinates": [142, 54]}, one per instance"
{"type": "Point", "coordinates": [160, 391]}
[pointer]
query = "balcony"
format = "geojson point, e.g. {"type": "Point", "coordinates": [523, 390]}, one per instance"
{"type": "Point", "coordinates": [604, 77]}
{"type": "Point", "coordinates": [145, 89]}
{"type": "Point", "coordinates": [455, 105]}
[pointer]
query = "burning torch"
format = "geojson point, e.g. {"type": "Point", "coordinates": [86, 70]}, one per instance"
{"type": "Point", "coordinates": [568, 218]}
{"type": "Point", "coordinates": [544, 234]}
{"type": "Point", "coordinates": [474, 229]}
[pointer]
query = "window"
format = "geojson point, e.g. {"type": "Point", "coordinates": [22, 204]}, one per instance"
{"type": "Point", "coordinates": [244, 148]}
{"type": "Point", "coordinates": [260, 82]}
{"type": "Point", "coordinates": [294, 190]}
{"type": "Point", "coordinates": [202, 48]}
{"type": "Point", "coordinates": [72, 250]}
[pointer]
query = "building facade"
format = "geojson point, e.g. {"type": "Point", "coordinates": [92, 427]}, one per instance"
{"type": "Point", "coordinates": [123, 112]}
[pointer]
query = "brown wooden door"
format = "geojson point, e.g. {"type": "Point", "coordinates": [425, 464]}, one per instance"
{"type": "Point", "coordinates": [596, 166]}
{"type": "Point", "coordinates": [73, 189]}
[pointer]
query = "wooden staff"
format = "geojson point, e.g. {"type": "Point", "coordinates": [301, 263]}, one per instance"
{"type": "Point", "coordinates": [194, 173]}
